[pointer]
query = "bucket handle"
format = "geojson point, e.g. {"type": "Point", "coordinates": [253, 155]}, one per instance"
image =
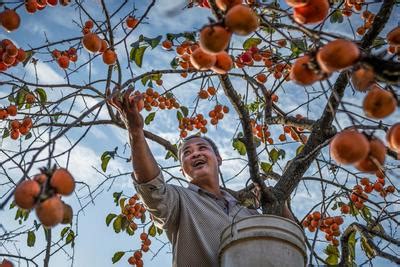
{"type": "Point", "coordinates": [233, 228]}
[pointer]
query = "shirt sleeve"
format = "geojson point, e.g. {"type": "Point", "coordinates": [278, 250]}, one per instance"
{"type": "Point", "coordinates": [160, 199]}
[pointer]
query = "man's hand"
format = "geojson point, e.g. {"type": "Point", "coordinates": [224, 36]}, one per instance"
{"type": "Point", "coordinates": [286, 211]}
{"type": "Point", "coordinates": [128, 106]}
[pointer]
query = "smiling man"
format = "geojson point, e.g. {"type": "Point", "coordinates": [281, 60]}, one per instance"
{"type": "Point", "coordinates": [194, 216]}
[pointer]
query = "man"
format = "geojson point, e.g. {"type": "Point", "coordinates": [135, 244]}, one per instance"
{"type": "Point", "coordinates": [192, 217]}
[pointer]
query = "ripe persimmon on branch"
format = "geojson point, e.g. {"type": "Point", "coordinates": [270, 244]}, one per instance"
{"type": "Point", "coordinates": [302, 95]}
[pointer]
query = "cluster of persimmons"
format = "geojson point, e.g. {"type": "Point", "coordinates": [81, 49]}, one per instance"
{"type": "Point", "coordinates": [214, 38]}
{"type": "Point", "coordinates": [64, 57]}
{"type": "Point", "coordinates": [135, 210]}
{"type": "Point", "coordinates": [152, 99]}
{"type": "Point", "coordinates": [199, 122]}
{"type": "Point", "coordinates": [254, 54]}
{"type": "Point", "coordinates": [136, 258]}
{"type": "Point", "coordinates": [357, 197]}
{"type": "Point", "coordinates": [44, 192]}
{"type": "Point", "coordinates": [17, 127]}
{"type": "Point", "coordinates": [366, 153]}
{"type": "Point", "coordinates": [32, 6]}
{"type": "Point", "coordinates": [328, 225]}
{"type": "Point", "coordinates": [93, 44]}
{"type": "Point", "coordinates": [10, 55]}
{"type": "Point", "coordinates": [355, 7]}
{"type": "Point", "coordinates": [10, 20]}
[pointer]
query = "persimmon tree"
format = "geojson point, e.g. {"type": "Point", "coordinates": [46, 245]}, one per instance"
{"type": "Point", "coordinates": [308, 87]}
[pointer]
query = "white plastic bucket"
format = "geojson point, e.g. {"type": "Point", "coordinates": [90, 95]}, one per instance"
{"type": "Point", "coordinates": [263, 240]}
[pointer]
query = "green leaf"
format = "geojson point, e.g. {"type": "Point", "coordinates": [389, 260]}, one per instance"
{"type": "Point", "coordinates": [170, 154]}
{"type": "Point", "coordinates": [70, 237]}
{"type": "Point", "coordinates": [179, 115]}
{"type": "Point", "coordinates": [152, 230]}
{"type": "Point", "coordinates": [130, 231]}
{"type": "Point", "coordinates": [117, 256]}
{"type": "Point", "coordinates": [41, 95]}
{"type": "Point", "coordinates": [299, 149]}
{"type": "Point", "coordinates": [145, 79]}
{"type": "Point", "coordinates": [31, 239]}
{"type": "Point", "coordinates": [266, 167]}
{"type": "Point", "coordinates": [253, 107]}
{"type": "Point", "coordinates": [185, 110]}
{"type": "Point", "coordinates": [25, 214]}
{"type": "Point", "coordinates": [275, 154]}
{"type": "Point", "coordinates": [143, 218]}
{"type": "Point", "coordinates": [369, 251]}
{"type": "Point", "coordinates": [57, 116]}
{"type": "Point", "coordinates": [298, 46]}
{"type": "Point", "coordinates": [336, 17]}
{"type": "Point", "coordinates": [153, 77]}
{"type": "Point", "coordinates": [353, 210]}
{"type": "Point", "coordinates": [366, 214]}
{"type": "Point", "coordinates": [116, 196]}
{"type": "Point", "coordinates": [11, 99]}
{"type": "Point", "coordinates": [174, 63]}
{"type": "Point", "coordinates": [124, 223]}
{"type": "Point", "coordinates": [352, 249]}
{"type": "Point", "coordinates": [136, 55]}
{"type": "Point", "coordinates": [18, 214]}
{"type": "Point", "coordinates": [110, 217]}
{"type": "Point", "coordinates": [153, 42]}
{"type": "Point", "coordinates": [378, 42]}
{"type": "Point", "coordinates": [117, 224]}
{"type": "Point", "coordinates": [6, 133]}
{"type": "Point", "coordinates": [122, 203]}
{"type": "Point", "coordinates": [105, 158]}
{"type": "Point", "coordinates": [331, 250]}
{"type": "Point", "coordinates": [64, 231]}
{"type": "Point", "coordinates": [28, 136]}
{"type": "Point", "coordinates": [28, 57]}
{"type": "Point", "coordinates": [20, 99]}
{"type": "Point", "coordinates": [332, 260]}
{"type": "Point", "coordinates": [378, 228]}
{"type": "Point", "coordinates": [239, 146]}
{"type": "Point", "coordinates": [149, 118]}
{"type": "Point", "coordinates": [159, 231]}
{"type": "Point", "coordinates": [13, 205]}
{"type": "Point", "coordinates": [190, 36]}
{"type": "Point", "coordinates": [251, 42]}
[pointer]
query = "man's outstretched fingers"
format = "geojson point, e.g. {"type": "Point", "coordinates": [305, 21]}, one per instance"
{"type": "Point", "coordinates": [126, 97]}
{"type": "Point", "coordinates": [138, 103]}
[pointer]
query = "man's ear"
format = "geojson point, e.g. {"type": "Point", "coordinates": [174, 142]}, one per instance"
{"type": "Point", "coordinates": [219, 159]}
{"type": "Point", "coordinates": [183, 173]}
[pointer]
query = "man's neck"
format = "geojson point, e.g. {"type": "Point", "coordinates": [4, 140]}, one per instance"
{"type": "Point", "coordinates": [213, 189]}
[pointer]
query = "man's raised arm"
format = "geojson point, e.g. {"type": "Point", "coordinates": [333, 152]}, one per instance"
{"type": "Point", "coordinates": [144, 165]}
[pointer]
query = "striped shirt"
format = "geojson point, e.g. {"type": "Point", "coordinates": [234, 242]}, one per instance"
{"type": "Point", "coordinates": [193, 219]}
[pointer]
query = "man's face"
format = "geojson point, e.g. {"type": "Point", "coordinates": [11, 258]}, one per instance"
{"type": "Point", "coordinates": [199, 162]}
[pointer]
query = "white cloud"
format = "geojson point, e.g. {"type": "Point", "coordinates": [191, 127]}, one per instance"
{"type": "Point", "coordinates": [45, 73]}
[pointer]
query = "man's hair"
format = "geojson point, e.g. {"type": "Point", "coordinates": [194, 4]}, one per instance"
{"type": "Point", "coordinates": [183, 142]}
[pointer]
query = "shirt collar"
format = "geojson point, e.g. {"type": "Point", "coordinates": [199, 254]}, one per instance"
{"type": "Point", "coordinates": [228, 197]}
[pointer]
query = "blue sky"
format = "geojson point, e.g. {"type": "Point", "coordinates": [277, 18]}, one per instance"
{"type": "Point", "coordinates": [96, 243]}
